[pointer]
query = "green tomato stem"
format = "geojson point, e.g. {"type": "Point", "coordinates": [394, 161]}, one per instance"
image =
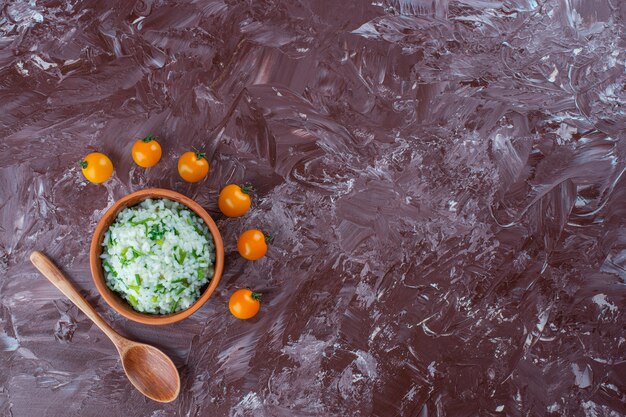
{"type": "Point", "coordinates": [256, 296]}
{"type": "Point", "coordinates": [199, 155]}
{"type": "Point", "coordinates": [247, 188]}
{"type": "Point", "coordinates": [148, 138]}
{"type": "Point", "coordinates": [83, 164]}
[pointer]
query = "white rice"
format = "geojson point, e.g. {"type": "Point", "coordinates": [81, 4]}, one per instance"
{"type": "Point", "coordinates": [158, 255]}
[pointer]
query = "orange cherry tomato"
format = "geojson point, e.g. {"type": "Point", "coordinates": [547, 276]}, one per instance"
{"type": "Point", "coordinates": [234, 201]}
{"type": "Point", "coordinates": [244, 304]}
{"type": "Point", "coordinates": [97, 167]}
{"type": "Point", "coordinates": [193, 166]}
{"type": "Point", "coordinates": [252, 244]}
{"type": "Point", "coordinates": [146, 152]}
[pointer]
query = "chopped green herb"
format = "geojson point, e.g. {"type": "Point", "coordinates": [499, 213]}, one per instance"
{"type": "Point", "coordinates": [179, 280]}
{"type": "Point", "coordinates": [200, 273]}
{"type": "Point", "coordinates": [132, 300]}
{"type": "Point", "coordinates": [144, 221]}
{"type": "Point", "coordinates": [134, 288]}
{"type": "Point", "coordinates": [108, 266]}
{"type": "Point", "coordinates": [155, 298]}
{"type": "Point", "coordinates": [138, 279]}
{"type": "Point", "coordinates": [160, 242]}
{"type": "Point", "coordinates": [157, 231]}
{"type": "Point", "coordinates": [179, 291]}
{"type": "Point", "coordinates": [198, 230]}
{"type": "Point", "coordinates": [182, 254]}
{"type": "Point", "coordinates": [175, 305]}
{"type": "Point", "coordinates": [137, 253]}
{"type": "Point", "coordinates": [179, 254]}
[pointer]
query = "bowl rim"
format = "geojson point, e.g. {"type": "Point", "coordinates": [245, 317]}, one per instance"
{"type": "Point", "coordinates": [115, 301]}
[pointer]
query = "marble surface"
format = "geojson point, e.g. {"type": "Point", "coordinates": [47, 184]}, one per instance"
{"type": "Point", "coordinates": [445, 181]}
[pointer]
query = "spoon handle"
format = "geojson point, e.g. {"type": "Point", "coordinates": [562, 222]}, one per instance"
{"type": "Point", "coordinates": [56, 277]}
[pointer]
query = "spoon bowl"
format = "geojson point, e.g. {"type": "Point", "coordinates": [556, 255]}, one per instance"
{"type": "Point", "coordinates": [151, 371]}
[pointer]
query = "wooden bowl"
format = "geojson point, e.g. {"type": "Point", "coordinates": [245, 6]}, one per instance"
{"type": "Point", "coordinates": [118, 303]}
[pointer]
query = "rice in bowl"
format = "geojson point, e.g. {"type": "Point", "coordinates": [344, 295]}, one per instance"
{"type": "Point", "coordinates": [158, 255]}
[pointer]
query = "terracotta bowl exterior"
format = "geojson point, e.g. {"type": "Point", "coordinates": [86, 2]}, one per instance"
{"type": "Point", "coordinates": [115, 301]}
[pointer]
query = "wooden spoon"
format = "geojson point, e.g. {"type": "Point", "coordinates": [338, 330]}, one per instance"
{"type": "Point", "coordinates": [147, 368]}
